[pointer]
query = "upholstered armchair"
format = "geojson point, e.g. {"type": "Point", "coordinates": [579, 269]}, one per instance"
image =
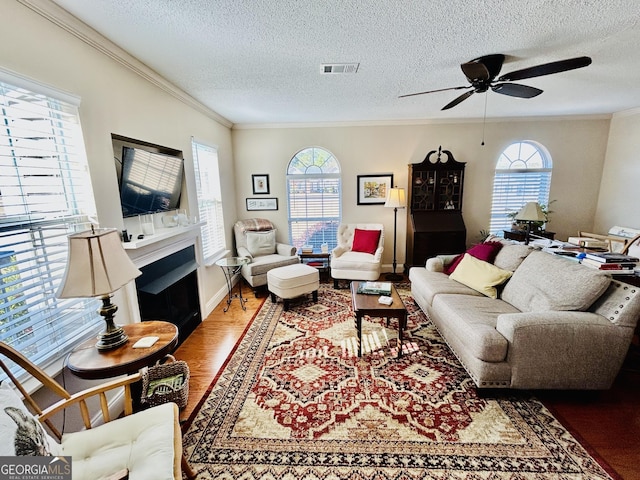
{"type": "Point", "coordinates": [256, 239]}
{"type": "Point", "coordinates": [358, 255]}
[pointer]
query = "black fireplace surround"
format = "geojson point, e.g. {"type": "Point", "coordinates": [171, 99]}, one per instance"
{"type": "Point", "coordinates": [168, 290]}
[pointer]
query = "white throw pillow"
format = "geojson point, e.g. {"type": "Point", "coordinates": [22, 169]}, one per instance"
{"type": "Point", "coordinates": [21, 433]}
{"type": "Point", "coordinates": [261, 243]}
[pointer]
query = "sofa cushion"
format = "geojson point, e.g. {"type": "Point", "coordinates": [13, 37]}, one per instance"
{"type": "Point", "coordinates": [473, 322]}
{"type": "Point", "coordinates": [547, 282]}
{"type": "Point", "coordinates": [365, 241]}
{"type": "Point", "coordinates": [480, 275]}
{"type": "Point", "coordinates": [426, 285]}
{"type": "Point", "coordinates": [483, 251]}
{"type": "Point", "coordinates": [261, 243]}
{"type": "Point", "coordinates": [511, 256]}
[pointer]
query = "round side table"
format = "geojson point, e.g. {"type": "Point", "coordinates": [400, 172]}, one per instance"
{"type": "Point", "coordinates": [86, 361]}
{"type": "Point", "coordinates": [231, 267]}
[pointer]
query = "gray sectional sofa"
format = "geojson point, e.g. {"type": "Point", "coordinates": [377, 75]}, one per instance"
{"type": "Point", "coordinates": [555, 324]}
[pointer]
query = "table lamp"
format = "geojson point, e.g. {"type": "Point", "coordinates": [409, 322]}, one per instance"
{"type": "Point", "coordinates": [530, 213]}
{"type": "Point", "coordinates": [395, 200]}
{"type": "Point", "coordinates": [97, 266]}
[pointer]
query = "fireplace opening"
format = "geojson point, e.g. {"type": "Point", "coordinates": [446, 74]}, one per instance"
{"type": "Point", "coordinates": [168, 290]}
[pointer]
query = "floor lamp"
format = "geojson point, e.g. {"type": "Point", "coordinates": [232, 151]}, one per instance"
{"type": "Point", "coordinates": [395, 200]}
{"type": "Point", "coordinates": [531, 212]}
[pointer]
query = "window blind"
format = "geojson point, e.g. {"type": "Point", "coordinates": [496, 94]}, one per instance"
{"type": "Point", "coordinates": [45, 195]}
{"type": "Point", "coordinates": [207, 173]}
{"type": "Point", "coordinates": [314, 209]}
{"type": "Point", "coordinates": [512, 189]}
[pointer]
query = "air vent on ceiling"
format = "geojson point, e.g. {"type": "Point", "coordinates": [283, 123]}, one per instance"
{"type": "Point", "coordinates": [339, 68]}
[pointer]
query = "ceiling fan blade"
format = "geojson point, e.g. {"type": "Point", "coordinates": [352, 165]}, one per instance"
{"type": "Point", "coordinates": [461, 98]}
{"type": "Point", "coordinates": [432, 91]}
{"type": "Point", "coordinates": [516, 90]}
{"type": "Point", "coordinates": [492, 65]}
{"type": "Point", "coordinates": [546, 69]}
{"type": "Point", "coordinates": [475, 71]}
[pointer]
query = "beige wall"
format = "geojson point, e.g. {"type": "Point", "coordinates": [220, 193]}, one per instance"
{"type": "Point", "coordinates": [619, 200]}
{"type": "Point", "coordinates": [577, 147]}
{"type": "Point", "coordinates": [114, 100]}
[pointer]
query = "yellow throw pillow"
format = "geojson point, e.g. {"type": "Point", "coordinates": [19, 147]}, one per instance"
{"type": "Point", "coordinates": [479, 275]}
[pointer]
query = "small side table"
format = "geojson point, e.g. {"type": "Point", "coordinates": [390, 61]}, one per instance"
{"type": "Point", "coordinates": [86, 361]}
{"type": "Point", "coordinates": [319, 260]}
{"type": "Point", "coordinates": [231, 267]}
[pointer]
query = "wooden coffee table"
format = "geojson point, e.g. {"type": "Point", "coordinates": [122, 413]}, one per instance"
{"type": "Point", "coordinates": [369, 305]}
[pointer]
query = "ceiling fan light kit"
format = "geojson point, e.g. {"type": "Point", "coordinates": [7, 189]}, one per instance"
{"type": "Point", "coordinates": [482, 74]}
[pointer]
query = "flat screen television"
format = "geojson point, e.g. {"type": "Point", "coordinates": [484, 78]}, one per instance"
{"type": "Point", "coordinates": [149, 182]}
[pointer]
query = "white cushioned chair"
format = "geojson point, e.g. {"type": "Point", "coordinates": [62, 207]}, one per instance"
{"type": "Point", "coordinates": [256, 239]}
{"type": "Point", "coordinates": [358, 255]}
{"type": "Point", "coordinates": [142, 445]}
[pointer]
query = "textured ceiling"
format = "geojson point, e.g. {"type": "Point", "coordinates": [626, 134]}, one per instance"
{"type": "Point", "coordinates": [258, 61]}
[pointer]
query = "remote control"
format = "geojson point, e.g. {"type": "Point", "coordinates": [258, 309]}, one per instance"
{"type": "Point", "coordinates": [385, 300]}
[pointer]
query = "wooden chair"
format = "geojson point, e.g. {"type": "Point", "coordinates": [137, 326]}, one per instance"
{"type": "Point", "coordinates": [120, 443]}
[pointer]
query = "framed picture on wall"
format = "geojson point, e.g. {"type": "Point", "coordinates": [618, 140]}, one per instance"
{"type": "Point", "coordinates": [373, 189]}
{"type": "Point", "coordinates": [262, 204]}
{"type": "Point", "coordinates": [260, 184]}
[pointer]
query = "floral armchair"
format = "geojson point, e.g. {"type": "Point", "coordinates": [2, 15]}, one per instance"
{"type": "Point", "coordinates": [256, 239]}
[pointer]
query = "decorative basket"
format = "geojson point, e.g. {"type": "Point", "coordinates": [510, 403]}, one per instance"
{"type": "Point", "coordinates": [165, 382]}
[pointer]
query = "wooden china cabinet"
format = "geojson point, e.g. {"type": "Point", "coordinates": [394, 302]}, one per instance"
{"type": "Point", "coordinates": [434, 217]}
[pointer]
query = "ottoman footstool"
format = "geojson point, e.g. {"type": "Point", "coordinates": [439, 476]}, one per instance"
{"type": "Point", "coordinates": [293, 281]}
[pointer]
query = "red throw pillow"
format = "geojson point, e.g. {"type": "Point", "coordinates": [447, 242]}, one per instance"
{"type": "Point", "coordinates": [366, 241]}
{"type": "Point", "coordinates": [486, 252]}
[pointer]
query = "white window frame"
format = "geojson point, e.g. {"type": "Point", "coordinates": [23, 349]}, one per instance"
{"type": "Point", "coordinates": [314, 193]}
{"type": "Point", "coordinates": [45, 195]}
{"type": "Point", "coordinates": [523, 174]}
{"type": "Point", "coordinates": [209, 193]}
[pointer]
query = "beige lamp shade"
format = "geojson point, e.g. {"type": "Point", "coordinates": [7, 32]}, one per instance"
{"type": "Point", "coordinates": [531, 212]}
{"type": "Point", "coordinates": [396, 198]}
{"type": "Point", "coordinates": [97, 265]}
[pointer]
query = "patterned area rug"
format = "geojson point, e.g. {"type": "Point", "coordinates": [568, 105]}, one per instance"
{"type": "Point", "coordinates": [294, 402]}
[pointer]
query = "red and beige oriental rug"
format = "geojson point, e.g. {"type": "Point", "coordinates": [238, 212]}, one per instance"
{"type": "Point", "coordinates": [293, 402]}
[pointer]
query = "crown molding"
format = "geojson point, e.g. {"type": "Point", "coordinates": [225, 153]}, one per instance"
{"type": "Point", "coordinates": [420, 121]}
{"type": "Point", "coordinates": [627, 113]}
{"type": "Point", "coordinates": [63, 19]}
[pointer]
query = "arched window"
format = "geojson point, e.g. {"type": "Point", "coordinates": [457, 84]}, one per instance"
{"type": "Point", "coordinates": [523, 174]}
{"type": "Point", "coordinates": [314, 192]}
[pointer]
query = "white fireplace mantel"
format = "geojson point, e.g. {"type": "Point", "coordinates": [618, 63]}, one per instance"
{"type": "Point", "coordinates": [162, 243]}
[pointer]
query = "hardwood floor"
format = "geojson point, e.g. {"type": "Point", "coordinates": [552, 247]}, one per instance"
{"type": "Point", "coordinates": [609, 422]}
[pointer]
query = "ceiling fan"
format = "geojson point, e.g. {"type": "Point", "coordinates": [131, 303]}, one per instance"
{"type": "Point", "coordinates": [482, 72]}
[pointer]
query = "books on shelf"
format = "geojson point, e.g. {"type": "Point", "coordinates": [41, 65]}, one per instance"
{"type": "Point", "coordinates": [306, 249]}
{"type": "Point", "coordinates": [612, 257]}
{"type": "Point", "coordinates": [374, 288]}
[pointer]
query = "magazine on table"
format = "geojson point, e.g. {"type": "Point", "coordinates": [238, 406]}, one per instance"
{"type": "Point", "coordinates": [375, 288]}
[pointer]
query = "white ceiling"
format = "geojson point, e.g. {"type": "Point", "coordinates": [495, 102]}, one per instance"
{"type": "Point", "coordinates": [258, 61]}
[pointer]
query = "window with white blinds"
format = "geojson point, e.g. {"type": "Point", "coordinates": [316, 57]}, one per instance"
{"type": "Point", "coordinates": [207, 173]}
{"type": "Point", "coordinates": [45, 195]}
{"type": "Point", "coordinates": [314, 191]}
{"type": "Point", "coordinates": [523, 174]}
